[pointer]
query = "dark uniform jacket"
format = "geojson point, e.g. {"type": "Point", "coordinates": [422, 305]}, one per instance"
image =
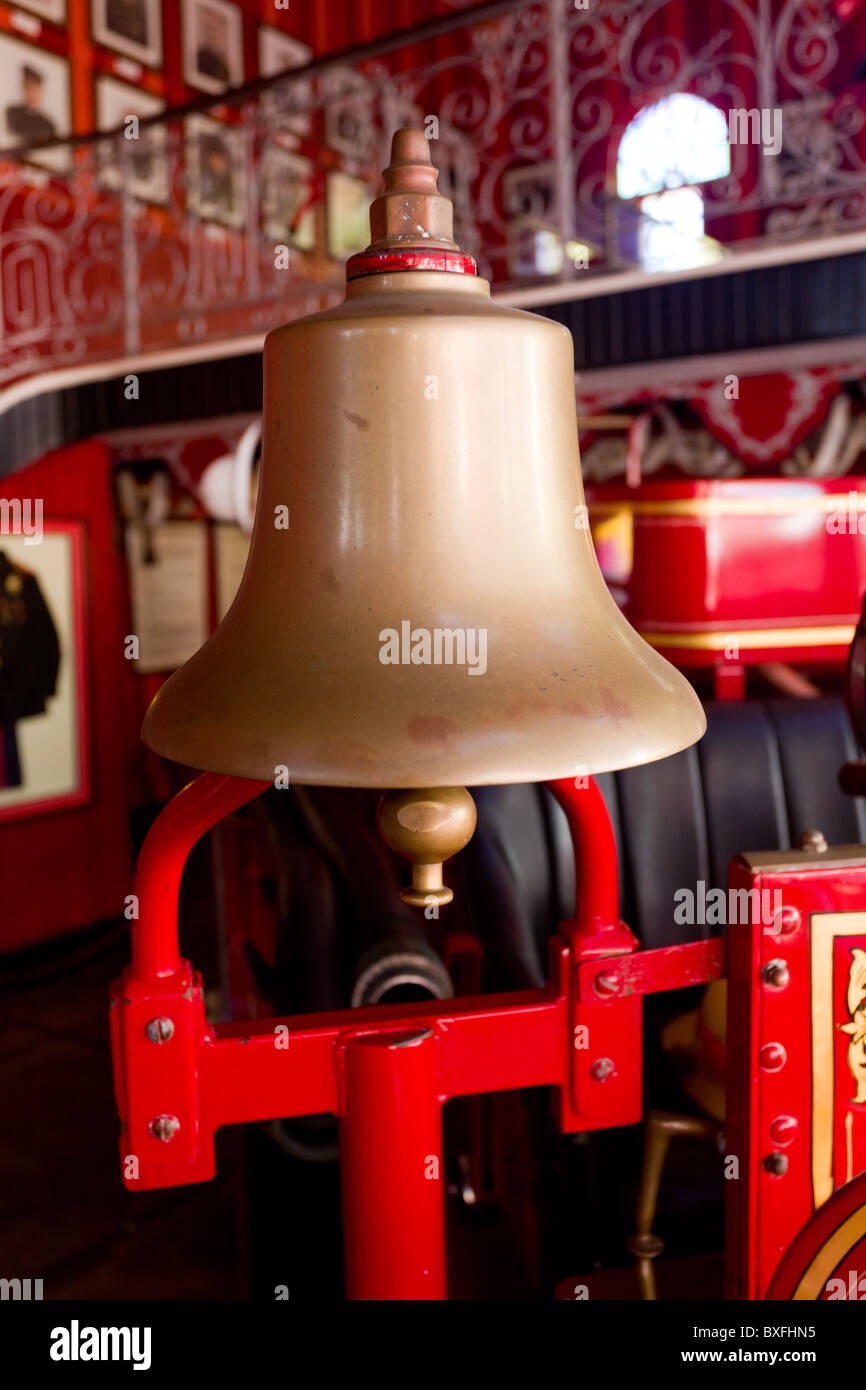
{"type": "Point", "coordinates": [28, 125]}
{"type": "Point", "coordinates": [29, 649]}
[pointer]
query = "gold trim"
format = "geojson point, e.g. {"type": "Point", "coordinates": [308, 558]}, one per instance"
{"type": "Point", "coordinates": [825, 927]}
{"type": "Point", "coordinates": [839, 636]}
{"type": "Point", "coordinates": [739, 506]}
{"type": "Point", "coordinates": [829, 1257]}
{"type": "Point", "coordinates": [849, 1146]}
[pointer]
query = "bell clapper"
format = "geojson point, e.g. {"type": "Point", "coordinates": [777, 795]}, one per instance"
{"type": "Point", "coordinates": [426, 826]}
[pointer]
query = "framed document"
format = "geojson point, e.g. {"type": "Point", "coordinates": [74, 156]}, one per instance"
{"type": "Point", "coordinates": [44, 715]}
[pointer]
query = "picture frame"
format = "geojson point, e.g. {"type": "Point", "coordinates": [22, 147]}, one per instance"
{"type": "Point", "coordinates": [54, 10]}
{"type": "Point", "coordinates": [38, 102]}
{"type": "Point", "coordinates": [348, 215]}
{"type": "Point", "coordinates": [284, 183]}
{"type": "Point", "coordinates": [213, 49]}
{"type": "Point", "coordinates": [148, 166]}
{"type": "Point", "coordinates": [349, 124]}
{"type": "Point", "coordinates": [215, 171]}
{"type": "Point", "coordinates": [280, 52]}
{"type": "Point", "coordinates": [534, 248]}
{"type": "Point", "coordinates": [132, 27]}
{"type": "Point", "coordinates": [45, 757]}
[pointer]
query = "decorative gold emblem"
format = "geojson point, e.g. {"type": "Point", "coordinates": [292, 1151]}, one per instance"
{"type": "Point", "coordinates": [856, 1029]}
{"type": "Point", "coordinates": [13, 584]}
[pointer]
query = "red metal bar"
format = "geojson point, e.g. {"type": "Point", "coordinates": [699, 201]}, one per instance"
{"type": "Point", "coordinates": [653, 972]}
{"type": "Point", "coordinates": [385, 1070]}
{"type": "Point", "coordinates": [392, 1167]}
{"type": "Point", "coordinates": [595, 929]}
{"type": "Point", "coordinates": [155, 950]}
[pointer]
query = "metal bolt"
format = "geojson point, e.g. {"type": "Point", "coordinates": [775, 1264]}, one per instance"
{"type": "Point", "coordinates": [772, 1057]}
{"type": "Point", "coordinates": [602, 1069]}
{"type": "Point", "coordinates": [159, 1030]}
{"type": "Point", "coordinates": [783, 1129]}
{"type": "Point", "coordinates": [777, 1164]}
{"type": "Point", "coordinates": [786, 920]}
{"type": "Point", "coordinates": [164, 1127]}
{"type": "Point", "coordinates": [776, 973]}
{"type": "Point", "coordinates": [813, 842]}
{"type": "Point", "coordinates": [607, 982]}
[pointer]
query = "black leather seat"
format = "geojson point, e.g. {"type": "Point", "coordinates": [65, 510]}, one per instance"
{"type": "Point", "coordinates": [763, 773]}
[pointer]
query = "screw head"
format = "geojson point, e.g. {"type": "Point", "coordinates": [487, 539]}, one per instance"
{"type": "Point", "coordinates": [772, 1057]}
{"type": "Point", "coordinates": [164, 1127]}
{"type": "Point", "coordinates": [786, 920]}
{"type": "Point", "coordinates": [777, 1164]}
{"type": "Point", "coordinates": [160, 1030]}
{"type": "Point", "coordinates": [813, 842]}
{"type": "Point", "coordinates": [602, 1069]}
{"type": "Point", "coordinates": [607, 982]}
{"type": "Point", "coordinates": [776, 973]}
{"type": "Point", "coordinates": [783, 1129]}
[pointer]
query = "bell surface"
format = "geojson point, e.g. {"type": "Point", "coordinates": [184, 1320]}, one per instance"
{"type": "Point", "coordinates": [433, 613]}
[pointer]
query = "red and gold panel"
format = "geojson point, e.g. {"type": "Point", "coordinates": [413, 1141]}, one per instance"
{"type": "Point", "coordinates": [827, 1260]}
{"type": "Point", "coordinates": [747, 569]}
{"type": "Point", "coordinates": [796, 1087]}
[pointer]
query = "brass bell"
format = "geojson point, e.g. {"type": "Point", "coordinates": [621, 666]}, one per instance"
{"type": "Point", "coordinates": [421, 606]}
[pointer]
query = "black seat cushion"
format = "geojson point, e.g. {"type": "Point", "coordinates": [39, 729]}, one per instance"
{"type": "Point", "coordinates": [763, 773]}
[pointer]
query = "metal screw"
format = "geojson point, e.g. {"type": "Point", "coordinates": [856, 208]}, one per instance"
{"type": "Point", "coordinates": [786, 920]}
{"type": "Point", "coordinates": [159, 1030]}
{"type": "Point", "coordinates": [602, 1069]}
{"type": "Point", "coordinates": [772, 1057]}
{"type": "Point", "coordinates": [607, 982]}
{"type": "Point", "coordinates": [813, 842]}
{"type": "Point", "coordinates": [164, 1127]}
{"type": "Point", "coordinates": [777, 1164]}
{"type": "Point", "coordinates": [783, 1129]}
{"type": "Point", "coordinates": [776, 973]}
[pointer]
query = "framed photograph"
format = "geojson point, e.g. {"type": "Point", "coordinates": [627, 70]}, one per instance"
{"type": "Point", "coordinates": [44, 716]}
{"type": "Point", "coordinates": [287, 215]}
{"type": "Point", "coordinates": [213, 46]}
{"type": "Point", "coordinates": [145, 156]}
{"type": "Point", "coordinates": [55, 10]}
{"type": "Point", "coordinates": [133, 27]}
{"type": "Point", "coordinates": [349, 125]}
{"type": "Point", "coordinates": [348, 215]}
{"type": "Point", "coordinates": [529, 191]}
{"type": "Point", "coordinates": [34, 100]}
{"type": "Point", "coordinates": [215, 188]}
{"type": "Point", "coordinates": [279, 52]}
{"type": "Point", "coordinates": [529, 200]}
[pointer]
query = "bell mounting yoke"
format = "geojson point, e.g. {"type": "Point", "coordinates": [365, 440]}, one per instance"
{"type": "Point", "coordinates": [384, 1070]}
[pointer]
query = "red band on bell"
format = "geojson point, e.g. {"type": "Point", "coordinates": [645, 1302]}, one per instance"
{"type": "Point", "coordinates": [413, 258]}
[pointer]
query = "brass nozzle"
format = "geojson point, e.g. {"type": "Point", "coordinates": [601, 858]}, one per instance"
{"type": "Point", "coordinates": [411, 211]}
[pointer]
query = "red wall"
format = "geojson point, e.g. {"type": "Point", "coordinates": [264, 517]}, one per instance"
{"type": "Point", "coordinates": [74, 867]}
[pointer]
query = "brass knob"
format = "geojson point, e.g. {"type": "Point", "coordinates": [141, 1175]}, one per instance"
{"type": "Point", "coordinates": [426, 826]}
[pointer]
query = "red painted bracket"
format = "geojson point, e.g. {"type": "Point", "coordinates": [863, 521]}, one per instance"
{"type": "Point", "coordinates": [178, 1079]}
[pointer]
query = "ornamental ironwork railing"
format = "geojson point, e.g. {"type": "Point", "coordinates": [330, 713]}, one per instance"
{"type": "Point", "coordinates": [204, 227]}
